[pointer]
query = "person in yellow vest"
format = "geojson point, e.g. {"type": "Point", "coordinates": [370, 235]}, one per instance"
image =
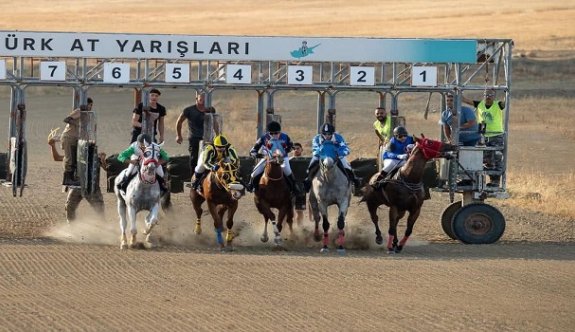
{"type": "Point", "coordinates": [491, 112]}
{"type": "Point", "coordinates": [382, 125]}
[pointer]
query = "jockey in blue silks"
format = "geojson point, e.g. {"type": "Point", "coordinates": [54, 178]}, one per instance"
{"type": "Point", "coordinates": [271, 141]}
{"type": "Point", "coordinates": [396, 153]}
{"type": "Point", "coordinates": [329, 136]}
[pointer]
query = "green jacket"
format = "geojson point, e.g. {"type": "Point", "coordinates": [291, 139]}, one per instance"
{"type": "Point", "coordinates": [126, 154]}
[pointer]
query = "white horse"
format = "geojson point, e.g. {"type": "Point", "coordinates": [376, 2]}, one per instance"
{"type": "Point", "coordinates": [330, 186]}
{"type": "Point", "coordinates": [142, 193]}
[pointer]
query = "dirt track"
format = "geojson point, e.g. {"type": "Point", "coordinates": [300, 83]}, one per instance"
{"type": "Point", "coordinates": [59, 277]}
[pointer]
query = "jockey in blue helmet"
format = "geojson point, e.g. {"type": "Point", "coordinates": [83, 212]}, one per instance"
{"type": "Point", "coordinates": [328, 135]}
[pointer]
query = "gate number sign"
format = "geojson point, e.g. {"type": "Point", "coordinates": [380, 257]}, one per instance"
{"type": "Point", "coordinates": [116, 72]}
{"type": "Point", "coordinates": [2, 70]}
{"type": "Point", "coordinates": [53, 71]}
{"type": "Point", "coordinates": [361, 75]}
{"type": "Point", "coordinates": [239, 74]}
{"type": "Point", "coordinates": [423, 76]}
{"type": "Point", "coordinates": [300, 74]}
{"type": "Point", "coordinates": [177, 73]}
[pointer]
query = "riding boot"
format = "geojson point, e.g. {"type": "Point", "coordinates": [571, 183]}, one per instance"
{"type": "Point", "coordinates": [197, 180]}
{"type": "Point", "coordinates": [162, 183]}
{"type": "Point", "coordinates": [292, 183]}
{"type": "Point", "coordinates": [356, 182]}
{"type": "Point", "coordinates": [254, 182]}
{"type": "Point", "coordinates": [379, 181]}
{"type": "Point", "coordinates": [311, 170]}
{"type": "Point", "coordinates": [123, 185]}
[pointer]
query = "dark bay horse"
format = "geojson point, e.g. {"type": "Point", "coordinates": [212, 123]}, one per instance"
{"type": "Point", "coordinates": [404, 192]}
{"type": "Point", "coordinates": [273, 192]}
{"type": "Point", "coordinates": [221, 190]}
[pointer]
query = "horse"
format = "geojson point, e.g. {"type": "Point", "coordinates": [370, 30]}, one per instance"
{"type": "Point", "coordinates": [274, 192]}
{"type": "Point", "coordinates": [142, 193]}
{"type": "Point", "coordinates": [404, 191]}
{"type": "Point", "coordinates": [221, 190]}
{"type": "Point", "coordinates": [330, 185]}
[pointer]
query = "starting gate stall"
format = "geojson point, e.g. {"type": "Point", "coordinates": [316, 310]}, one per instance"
{"type": "Point", "coordinates": [18, 150]}
{"type": "Point", "coordinates": [87, 161]}
{"type": "Point", "coordinates": [325, 65]}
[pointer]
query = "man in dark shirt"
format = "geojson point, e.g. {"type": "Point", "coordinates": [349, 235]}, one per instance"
{"type": "Point", "coordinates": [155, 115]}
{"type": "Point", "coordinates": [195, 115]}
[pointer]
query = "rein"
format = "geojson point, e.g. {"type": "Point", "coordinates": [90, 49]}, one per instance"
{"type": "Point", "coordinates": [430, 149]}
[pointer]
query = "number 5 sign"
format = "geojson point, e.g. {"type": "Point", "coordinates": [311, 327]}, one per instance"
{"type": "Point", "coordinates": [116, 72]}
{"type": "Point", "coordinates": [423, 76]}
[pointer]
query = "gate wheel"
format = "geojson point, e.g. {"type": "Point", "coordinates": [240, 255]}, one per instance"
{"type": "Point", "coordinates": [478, 223]}
{"type": "Point", "coordinates": [447, 218]}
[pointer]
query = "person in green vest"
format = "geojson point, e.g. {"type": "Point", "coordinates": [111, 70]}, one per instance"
{"type": "Point", "coordinates": [382, 125]}
{"type": "Point", "coordinates": [491, 112]}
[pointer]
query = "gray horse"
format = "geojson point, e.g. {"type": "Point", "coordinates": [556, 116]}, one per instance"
{"type": "Point", "coordinates": [143, 193]}
{"type": "Point", "coordinates": [329, 186]}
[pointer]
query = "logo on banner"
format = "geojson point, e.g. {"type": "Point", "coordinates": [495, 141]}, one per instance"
{"type": "Point", "coordinates": [303, 51]}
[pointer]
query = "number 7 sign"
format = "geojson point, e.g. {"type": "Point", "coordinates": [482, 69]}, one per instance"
{"type": "Point", "coordinates": [423, 76]}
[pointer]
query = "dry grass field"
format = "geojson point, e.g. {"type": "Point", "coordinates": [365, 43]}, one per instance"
{"type": "Point", "coordinates": [55, 276]}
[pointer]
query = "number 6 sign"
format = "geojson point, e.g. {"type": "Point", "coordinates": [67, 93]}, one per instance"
{"type": "Point", "coordinates": [116, 72]}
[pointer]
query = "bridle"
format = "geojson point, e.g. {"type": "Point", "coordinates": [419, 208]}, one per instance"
{"type": "Point", "coordinates": [430, 148]}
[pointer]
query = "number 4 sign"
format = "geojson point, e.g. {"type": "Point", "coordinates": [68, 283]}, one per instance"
{"type": "Point", "coordinates": [239, 74]}
{"type": "Point", "coordinates": [423, 76]}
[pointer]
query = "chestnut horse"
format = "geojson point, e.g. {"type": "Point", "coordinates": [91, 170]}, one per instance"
{"type": "Point", "coordinates": [404, 192]}
{"type": "Point", "coordinates": [273, 192]}
{"type": "Point", "coordinates": [221, 190]}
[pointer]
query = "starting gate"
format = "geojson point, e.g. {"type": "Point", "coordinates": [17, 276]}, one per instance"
{"type": "Point", "coordinates": [387, 67]}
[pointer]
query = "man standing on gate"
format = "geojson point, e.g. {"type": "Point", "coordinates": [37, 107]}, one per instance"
{"type": "Point", "coordinates": [195, 115]}
{"type": "Point", "coordinates": [155, 115]}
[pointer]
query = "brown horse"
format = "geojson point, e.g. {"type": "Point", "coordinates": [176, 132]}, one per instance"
{"type": "Point", "coordinates": [273, 192]}
{"type": "Point", "coordinates": [221, 190]}
{"type": "Point", "coordinates": [403, 192]}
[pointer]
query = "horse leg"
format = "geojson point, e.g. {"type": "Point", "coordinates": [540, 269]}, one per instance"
{"type": "Point", "coordinates": [372, 208]}
{"type": "Point", "coordinates": [230, 224]}
{"type": "Point", "coordinates": [392, 231]}
{"type": "Point", "coordinates": [313, 210]}
{"type": "Point", "coordinates": [217, 224]}
{"type": "Point", "coordinates": [325, 225]}
{"type": "Point", "coordinates": [197, 201]}
{"type": "Point", "coordinates": [289, 221]}
{"type": "Point", "coordinates": [411, 219]}
{"type": "Point", "coordinates": [132, 217]}
{"type": "Point", "coordinates": [341, 227]}
{"type": "Point", "coordinates": [278, 228]}
{"type": "Point", "coordinates": [264, 209]}
{"type": "Point", "coordinates": [123, 222]}
{"type": "Point", "coordinates": [152, 218]}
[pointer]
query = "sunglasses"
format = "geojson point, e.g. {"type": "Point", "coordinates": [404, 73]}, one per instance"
{"type": "Point", "coordinates": [400, 136]}
{"type": "Point", "coordinates": [274, 133]}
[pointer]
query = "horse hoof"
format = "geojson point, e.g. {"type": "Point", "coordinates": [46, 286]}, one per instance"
{"type": "Point", "coordinates": [226, 249]}
{"type": "Point", "coordinates": [398, 250]}
{"type": "Point", "coordinates": [198, 229]}
{"type": "Point", "coordinates": [264, 239]}
{"type": "Point", "coordinates": [390, 251]}
{"type": "Point", "coordinates": [379, 240]}
{"type": "Point", "coordinates": [279, 248]}
{"type": "Point", "coordinates": [324, 250]}
{"type": "Point", "coordinates": [123, 246]}
{"type": "Point", "coordinates": [341, 251]}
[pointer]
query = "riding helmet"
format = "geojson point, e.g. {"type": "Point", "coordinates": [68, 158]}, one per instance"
{"type": "Point", "coordinates": [400, 131]}
{"type": "Point", "coordinates": [144, 137]}
{"type": "Point", "coordinates": [327, 129]}
{"type": "Point", "coordinates": [274, 127]}
{"type": "Point", "coordinates": [221, 141]}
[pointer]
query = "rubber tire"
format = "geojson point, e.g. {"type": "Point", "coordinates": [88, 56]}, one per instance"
{"type": "Point", "coordinates": [493, 224]}
{"type": "Point", "coordinates": [447, 219]}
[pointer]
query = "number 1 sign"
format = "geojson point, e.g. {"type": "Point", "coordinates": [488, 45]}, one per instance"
{"type": "Point", "coordinates": [423, 76]}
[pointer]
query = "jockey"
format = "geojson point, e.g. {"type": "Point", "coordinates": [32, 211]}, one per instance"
{"type": "Point", "coordinates": [328, 134]}
{"type": "Point", "coordinates": [220, 149]}
{"type": "Point", "coordinates": [396, 153]}
{"type": "Point", "coordinates": [133, 154]}
{"type": "Point", "coordinates": [274, 135]}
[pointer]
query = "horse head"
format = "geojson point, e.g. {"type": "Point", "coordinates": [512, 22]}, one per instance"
{"type": "Point", "coordinates": [227, 176]}
{"type": "Point", "coordinates": [327, 156]}
{"type": "Point", "coordinates": [150, 162]}
{"type": "Point", "coordinates": [432, 148]}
